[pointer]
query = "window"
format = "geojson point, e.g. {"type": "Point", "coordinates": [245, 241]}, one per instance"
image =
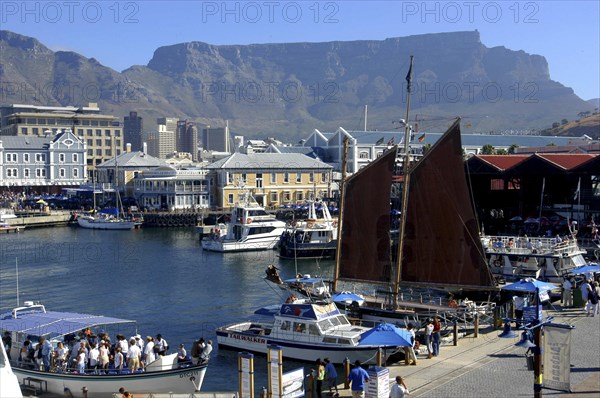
{"type": "Point", "coordinates": [40, 157]}
{"type": "Point", "coordinates": [299, 196]}
{"type": "Point", "coordinates": [244, 178]}
{"type": "Point", "coordinates": [273, 197]}
{"type": "Point", "coordinates": [286, 177]}
{"type": "Point", "coordinates": [259, 180]}
{"type": "Point", "coordinates": [107, 133]}
{"type": "Point", "coordinates": [323, 177]}
{"type": "Point", "coordinates": [61, 173]}
{"type": "Point", "coordinates": [273, 178]}
{"type": "Point", "coordinates": [12, 173]}
{"type": "Point", "coordinates": [117, 133]}
{"type": "Point", "coordinates": [75, 172]}
{"type": "Point", "coordinates": [25, 158]}
{"type": "Point", "coordinates": [230, 199]}
{"type": "Point", "coordinates": [98, 142]}
{"type": "Point", "coordinates": [11, 158]}
{"type": "Point", "coordinates": [35, 131]}
{"type": "Point", "coordinates": [230, 177]}
{"type": "Point", "coordinates": [90, 132]}
{"type": "Point", "coordinates": [75, 157]}
{"type": "Point", "coordinates": [40, 173]}
{"type": "Point", "coordinates": [98, 152]}
{"type": "Point", "coordinates": [107, 142]}
{"type": "Point", "coordinates": [90, 152]}
{"type": "Point", "coordinates": [298, 177]}
{"type": "Point", "coordinates": [98, 132]}
{"type": "Point", "coordinates": [80, 132]}
{"type": "Point", "coordinates": [61, 157]}
{"type": "Point", "coordinates": [24, 131]}
{"type": "Point", "coordinates": [311, 177]}
{"type": "Point", "coordinates": [108, 152]}
{"type": "Point", "coordinates": [26, 173]}
{"type": "Point", "coordinates": [299, 327]}
{"type": "Point", "coordinates": [285, 196]}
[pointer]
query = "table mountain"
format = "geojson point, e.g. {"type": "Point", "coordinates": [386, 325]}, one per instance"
{"type": "Point", "coordinates": [290, 89]}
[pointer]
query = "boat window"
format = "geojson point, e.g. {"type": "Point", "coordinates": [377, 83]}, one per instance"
{"type": "Point", "coordinates": [313, 329]}
{"type": "Point", "coordinates": [254, 213]}
{"type": "Point", "coordinates": [285, 325]}
{"type": "Point", "coordinates": [260, 230]}
{"type": "Point", "coordinates": [329, 340]}
{"type": "Point", "coordinates": [342, 320]}
{"type": "Point", "coordinates": [299, 327]}
{"type": "Point", "coordinates": [345, 341]}
{"type": "Point", "coordinates": [325, 325]}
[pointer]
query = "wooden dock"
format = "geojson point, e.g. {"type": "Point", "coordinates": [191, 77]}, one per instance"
{"type": "Point", "coordinates": [10, 228]}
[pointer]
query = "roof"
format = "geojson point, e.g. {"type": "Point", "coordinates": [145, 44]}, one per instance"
{"type": "Point", "coordinates": [292, 161]}
{"type": "Point", "coordinates": [564, 162]}
{"type": "Point", "coordinates": [135, 159]}
{"type": "Point", "coordinates": [24, 142]}
{"type": "Point", "coordinates": [38, 323]}
{"type": "Point", "coordinates": [567, 161]}
{"type": "Point", "coordinates": [502, 162]}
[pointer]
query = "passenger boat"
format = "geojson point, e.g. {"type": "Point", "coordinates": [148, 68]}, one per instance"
{"type": "Point", "coordinates": [250, 228]}
{"type": "Point", "coordinates": [516, 257]}
{"type": "Point", "coordinates": [305, 330]}
{"type": "Point", "coordinates": [32, 320]}
{"type": "Point", "coordinates": [9, 387]}
{"type": "Point", "coordinates": [315, 237]}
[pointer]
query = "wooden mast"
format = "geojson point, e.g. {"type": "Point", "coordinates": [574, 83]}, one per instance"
{"type": "Point", "coordinates": [406, 177]}
{"type": "Point", "coordinates": [338, 250]}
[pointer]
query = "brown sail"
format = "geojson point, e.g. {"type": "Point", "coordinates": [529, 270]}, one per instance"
{"type": "Point", "coordinates": [441, 240]}
{"type": "Point", "coordinates": [365, 246]}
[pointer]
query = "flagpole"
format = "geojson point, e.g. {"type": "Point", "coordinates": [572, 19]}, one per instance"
{"type": "Point", "coordinates": [405, 176]}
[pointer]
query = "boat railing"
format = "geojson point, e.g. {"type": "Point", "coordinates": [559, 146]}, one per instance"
{"type": "Point", "coordinates": [522, 245]}
{"type": "Point", "coordinates": [28, 308]}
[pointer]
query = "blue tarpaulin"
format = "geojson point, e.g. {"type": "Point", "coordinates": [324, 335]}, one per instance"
{"type": "Point", "coordinates": [386, 335]}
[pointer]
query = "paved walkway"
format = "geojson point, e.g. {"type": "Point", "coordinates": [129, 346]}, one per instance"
{"type": "Point", "coordinates": [489, 366]}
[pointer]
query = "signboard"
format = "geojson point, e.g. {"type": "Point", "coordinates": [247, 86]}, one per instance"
{"type": "Point", "coordinates": [293, 383]}
{"type": "Point", "coordinates": [246, 372]}
{"type": "Point", "coordinates": [557, 357]}
{"type": "Point", "coordinates": [378, 385]}
{"type": "Point", "coordinates": [530, 315]}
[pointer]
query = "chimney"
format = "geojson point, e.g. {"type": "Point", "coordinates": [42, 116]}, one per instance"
{"type": "Point", "coordinates": [145, 148]}
{"type": "Point", "coordinates": [128, 147]}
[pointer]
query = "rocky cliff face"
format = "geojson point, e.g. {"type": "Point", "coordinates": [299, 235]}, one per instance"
{"type": "Point", "coordinates": [291, 89]}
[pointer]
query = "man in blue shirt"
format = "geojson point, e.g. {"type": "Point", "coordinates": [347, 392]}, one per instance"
{"type": "Point", "coordinates": [358, 376]}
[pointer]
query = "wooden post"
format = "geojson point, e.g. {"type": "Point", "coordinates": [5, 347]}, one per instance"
{"type": "Point", "coordinates": [379, 357]}
{"type": "Point", "coordinates": [476, 332]}
{"type": "Point", "coordinates": [455, 343]}
{"type": "Point", "coordinates": [346, 373]}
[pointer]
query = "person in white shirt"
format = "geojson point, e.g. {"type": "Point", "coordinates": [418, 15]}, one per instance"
{"type": "Point", "coordinates": [429, 338]}
{"type": "Point", "coordinates": [205, 355]}
{"type": "Point", "coordinates": [162, 345]}
{"type": "Point", "coordinates": [399, 390]}
{"type": "Point", "coordinates": [133, 356]}
{"type": "Point", "coordinates": [94, 358]}
{"type": "Point", "coordinates": [409, 352]}
{"type": "Point", "coordinates": [567, 297]}
{"type": "Point", "coordinates": [149, 355]}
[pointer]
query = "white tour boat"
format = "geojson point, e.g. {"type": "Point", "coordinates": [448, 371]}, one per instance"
{"type": "Point", "coordinates": [250, 228]}
{"type": "Point", "coordinates": [305, 331]}
{"type": "Point", "coordinates": [32, 320]}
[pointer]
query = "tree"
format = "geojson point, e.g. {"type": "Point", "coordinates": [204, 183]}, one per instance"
{"type": "Point", "coordinates": [512, 148]}
{"type": "Point", "coordinates": [564, 121]}
{"type": "Point", "coordinates": [501, 151]}
{"type": "Point", "coordinates": [555, 125]}
{"type": "Point", "coordinates": [488, 149]}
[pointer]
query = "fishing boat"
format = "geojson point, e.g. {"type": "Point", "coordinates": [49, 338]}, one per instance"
{"type": "Point", "coordinates": [33, 321]}
{"type": "Point", "coordinates": [315, 237]}
{"type": "Point", "coordinates": [250, 228]}
{"type": "Point", "coordinates": [305, 330]}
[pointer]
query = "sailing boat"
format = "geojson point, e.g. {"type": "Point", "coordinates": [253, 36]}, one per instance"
{"type": "Point", "coordinates": [109, 218]}
{"type": "Point", "coordinates": [439, 245]}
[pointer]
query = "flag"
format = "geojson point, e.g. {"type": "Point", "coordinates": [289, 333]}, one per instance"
{"type": "Point", "coordinates": [409, 75]}
{"type": "Point", "coordinates": [577, 191]}
{"type": "Point", "coordinates": [379, 141]}
{"type": "Point", "coordinates": [422, 138]}
{"type": "Point", "coordinates": [391, 142]}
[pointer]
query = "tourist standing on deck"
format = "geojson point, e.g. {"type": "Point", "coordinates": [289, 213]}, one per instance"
{"type": "Point", "coordinates": [118, 360]}
{"type": "Point", "coordinates": [104, 358]}
{"type": "Point", "coordinates": [586, 288]}
{"type": "Point", "coordinates": [206, 350]}
{"type": "Point", "coordinates": [133, 356]}
{"type": "Point", "coordinates": [436, 336]}
{"type": "Point", "coordinates": [331, 375]}
{"type": "Point", "coordinates": [197, 350]}
{"type": "Point", "coordinates": [592, 306]}
{"type": "Point", "coordinates": [358, 376]}
{"type": "Point", "coordinates": [567, 297]}
{"type": "Point", "coordinates": [46, 351]}
{"type": "Point", "coordinates": [149, 355]}
{"type": "Point", "coordinates": [429, 337]}
{"type": "Point", "coordinates": [94, 358]}
{"type": "Point", "coordinates": [162, 345]}
{"type": "Point", "coordinates": [399, 390]}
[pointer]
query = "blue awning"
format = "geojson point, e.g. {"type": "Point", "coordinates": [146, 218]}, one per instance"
{"type": "Point", "coordinates": [54, 323]}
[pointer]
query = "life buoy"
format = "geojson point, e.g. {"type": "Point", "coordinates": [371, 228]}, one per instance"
{"type": "Point", "coordinates": [248, 220]}
{"type": "Point", "coordinates": [310, 224]}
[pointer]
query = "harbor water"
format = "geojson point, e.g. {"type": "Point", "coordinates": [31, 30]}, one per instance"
{"type": "Point", "coordinates": [159, 277]}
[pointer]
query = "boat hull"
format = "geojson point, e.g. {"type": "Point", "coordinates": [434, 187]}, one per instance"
{"type": "Point", "coordinates": [224, 246]}
{"type": "Point", "coordinates": [308, 250]}
{"type": "Point", "coordinates": [107, 225]}
{"type": "Point", "coordinates": [176, 381]}
{"type": "Point", "coordinates": [302, 351]}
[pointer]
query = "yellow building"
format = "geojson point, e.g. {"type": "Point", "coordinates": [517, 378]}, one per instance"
{"type": "Point", "coordinates": [274, 179]}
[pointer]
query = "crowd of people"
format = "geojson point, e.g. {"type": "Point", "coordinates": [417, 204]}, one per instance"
{"type": "Point", "coordinates": [88, 353]}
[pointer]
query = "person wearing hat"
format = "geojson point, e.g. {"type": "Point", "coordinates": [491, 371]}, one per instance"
{"type": "Point", "coordinates": [149, 355]}
{"type": "Point", "coordinates": [429, 337]}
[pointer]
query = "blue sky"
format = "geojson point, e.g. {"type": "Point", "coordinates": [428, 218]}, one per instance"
{"type": "Point", "coordinates": [124, 33]}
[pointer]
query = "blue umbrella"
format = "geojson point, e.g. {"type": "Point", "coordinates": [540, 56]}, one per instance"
{"type": "Point", "coordinates": [386, 335]}
{"type": "Point", "coordinates": [347, 298]}
{"type": "Point", "coordinates": [593, 268]}
{"type": "Point", "coordinates": [529, 285]}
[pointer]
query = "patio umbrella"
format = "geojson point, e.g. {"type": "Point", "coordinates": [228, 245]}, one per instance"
{"type": "Point", "coordinates": [347, 298]}
{"type": "Point", "coordinates": [593, 268]}
{"type": "Point", "coordinates": [530, 285]}
{"type": "Point", "coordinates": [517, 218]}
{"type": "Point", "coordinates": [41, 202]}
{"type": "Point", "coordinates": [386, 335]}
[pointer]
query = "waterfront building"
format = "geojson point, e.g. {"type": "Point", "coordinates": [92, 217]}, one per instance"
{"type": "Point", "coordinates": [169, 188]}
{"type": "Point", "coordinates": [126, 166]}
{"type": "Point", "coordinates": [101, 133]}
{"type": "Point", "coordinates": [32, 162]}
{"type": "Point", "coordinates": [274, 179]}
{"type": "Point", "coordinates": [133, 125]}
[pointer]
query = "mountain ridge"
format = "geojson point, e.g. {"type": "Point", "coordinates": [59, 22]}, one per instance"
{"type": "Point", "coordinates": [289, 89]}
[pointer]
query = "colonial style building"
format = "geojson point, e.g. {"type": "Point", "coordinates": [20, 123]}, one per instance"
{"type": "Point", "coordinates": [173, 189]}
{"type": "Point", "coordinates": [36, 162]}
{"type": "Point", "coordinates": [273, 179]}
{"type": "Point", "coordinates": [102, 134]}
